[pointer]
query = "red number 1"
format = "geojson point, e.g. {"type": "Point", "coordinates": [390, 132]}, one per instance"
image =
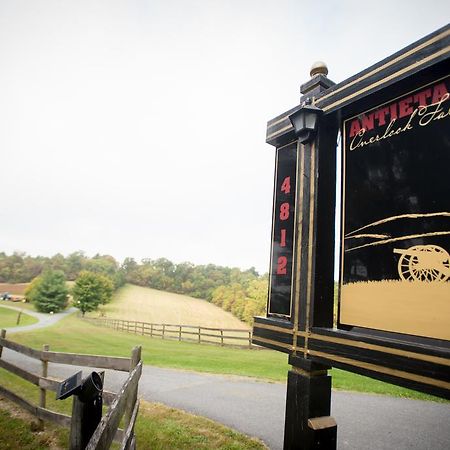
{"type": "Point", "coordinates": [283, 238]}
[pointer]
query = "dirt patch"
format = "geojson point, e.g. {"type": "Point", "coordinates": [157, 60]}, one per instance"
{"type": "Point", "coordinates": [49, 436]}
{"type": "Point", "coordinates": [14, 288]}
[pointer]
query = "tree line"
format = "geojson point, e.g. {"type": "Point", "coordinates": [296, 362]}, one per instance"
{"type": "Point", "coordinates": [242, 292]}
{"type": "Point", "coordinates": [22, 268]}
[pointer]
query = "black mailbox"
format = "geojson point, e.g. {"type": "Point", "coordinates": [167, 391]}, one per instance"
{"type": "Point", "coordinates": [69, 387]}
{"type": "Point", "coordinates": [86, 390]}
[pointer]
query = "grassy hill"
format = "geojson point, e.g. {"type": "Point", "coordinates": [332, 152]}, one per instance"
{"type": "Point", "coordinates": [149, 305]}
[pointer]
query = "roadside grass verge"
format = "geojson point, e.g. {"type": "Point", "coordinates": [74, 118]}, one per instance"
{"type": "Point", "coordinates": [27, 306]}
{"type": "Point", "coordinates": [19, 431]}
{"type": "Point", "coordinates": [72, 334]}
{"type": "Point", "coordinates": [8, 318]}
{"type": "Point", "coordinates": [158, 427]}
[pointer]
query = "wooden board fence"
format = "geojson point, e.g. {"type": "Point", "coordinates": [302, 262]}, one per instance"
{"type": "Point", "coordinates": [221, 336]}
{"type": "Point", "coordinates": [123, 404]}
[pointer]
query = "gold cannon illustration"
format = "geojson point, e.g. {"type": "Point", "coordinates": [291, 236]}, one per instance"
{"type": "Point", "coordinates": [423, 263]}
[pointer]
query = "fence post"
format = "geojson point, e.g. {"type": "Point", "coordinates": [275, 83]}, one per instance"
{"type": "Point", "coordinates": [75, 438]}
{"type": "Point", "coordinates": [43, 392]}
{"type": "Point", "coordinates": [18, 317]}
{"type": "Point", "coordinates": [163, 330]}
{"type": "Point", "coordinates": [135, 327]}
{"type": "Point", "coordinates": [179, 334]}
{"type": "Point", "coordinates": [151, 330]}
{"type": "Point", "coordinates": [249, 339]}
{"type": "Point", "coordinates": [2, 335]}
{"type": "Point", "coordinates": [199, 334]}
{"type": "Point", "coordinates": [221, 338]}
{"type": "Point", "coordinates": [135, 358]}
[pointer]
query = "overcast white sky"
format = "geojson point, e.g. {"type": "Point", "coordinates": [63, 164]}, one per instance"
{"type": "Point", "coordinates": [137, 127]}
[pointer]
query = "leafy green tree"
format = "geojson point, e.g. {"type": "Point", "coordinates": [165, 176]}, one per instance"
{"type": "Point", "coordinates": [48, 291]}
{"type": "Point", "coordinates": [91, 290]}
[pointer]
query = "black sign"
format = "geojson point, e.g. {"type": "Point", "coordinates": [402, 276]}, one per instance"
{"type": "Point", "coordinates": [394, 295]}
{"type": "Point", "coordinates": [396, 219]}
{"type": "Point", "coordinates": [283, 232]}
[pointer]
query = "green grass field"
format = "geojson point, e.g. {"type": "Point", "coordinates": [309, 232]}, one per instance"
{"type": "Point", "coordinates": [73, 334]}
{"type": "Point", "coordinates": [8, 318]}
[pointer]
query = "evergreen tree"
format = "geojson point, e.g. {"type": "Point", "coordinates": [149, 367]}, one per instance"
{"type": "Point", "coordinates": [48, 292]}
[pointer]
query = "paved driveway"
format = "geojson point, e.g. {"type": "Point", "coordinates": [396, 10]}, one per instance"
{"type": "Point", "coordinates": [45, 320]}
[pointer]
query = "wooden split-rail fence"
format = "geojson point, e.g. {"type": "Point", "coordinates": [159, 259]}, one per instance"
{"type": "Point", "coordinates": [123, 404]}
{"type": "Point", "coordinates": [201, 335]}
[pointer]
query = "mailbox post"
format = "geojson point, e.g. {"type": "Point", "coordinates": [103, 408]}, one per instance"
{"type": "Point", "coordinates": [86, 407]}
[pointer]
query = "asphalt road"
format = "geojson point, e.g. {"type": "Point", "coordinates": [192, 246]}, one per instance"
{"type": "Point", "coordinates": [256, 408]}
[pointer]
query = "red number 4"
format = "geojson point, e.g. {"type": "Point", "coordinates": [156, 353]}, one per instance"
{"type": "Point", "coordinates": [286, 185]}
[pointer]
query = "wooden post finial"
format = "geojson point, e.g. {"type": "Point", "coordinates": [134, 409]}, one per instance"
{"type": "Point", "coordinates": [318, 68]}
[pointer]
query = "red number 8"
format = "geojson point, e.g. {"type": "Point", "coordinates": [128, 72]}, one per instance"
{"type": "Point", "coordinates": [284, 211]}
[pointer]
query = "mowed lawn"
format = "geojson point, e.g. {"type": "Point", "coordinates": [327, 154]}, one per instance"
{"type": "Point", "coordinates": [8, 318]}
{"type": "Point", "coordinates": [149, 305]}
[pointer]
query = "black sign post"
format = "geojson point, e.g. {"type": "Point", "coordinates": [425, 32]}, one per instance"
{"type": "Point", "coordinates": [391, 320]}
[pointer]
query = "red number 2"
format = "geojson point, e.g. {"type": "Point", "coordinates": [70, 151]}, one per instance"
{"type": "Point", "coordinates": [281, 267]}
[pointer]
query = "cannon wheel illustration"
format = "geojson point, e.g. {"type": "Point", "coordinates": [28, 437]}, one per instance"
{"type": "Point", "coordinates": [423, 263]}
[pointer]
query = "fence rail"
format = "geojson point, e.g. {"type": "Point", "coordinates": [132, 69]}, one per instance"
{"type": "Point", "coordinates": [221, 336]}
{"type": "Point", "coordinates": [122, 404]}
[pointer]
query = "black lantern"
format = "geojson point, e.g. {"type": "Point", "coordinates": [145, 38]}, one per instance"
{"type": "Point", "coordinates": [305, 121]}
